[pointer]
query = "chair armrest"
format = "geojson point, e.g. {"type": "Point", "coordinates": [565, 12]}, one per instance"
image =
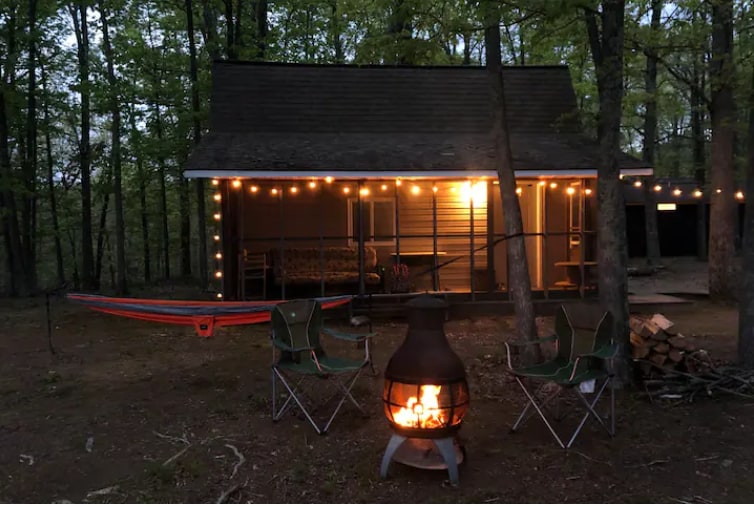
{"type": "Point", "coordinates": [277, 343]}
{"type": "Point", "coordinates": [605, 352]}
{"type": "Point", "coordinates": [346, 336]}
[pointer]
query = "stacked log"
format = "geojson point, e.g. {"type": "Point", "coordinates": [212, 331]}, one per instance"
{"type": "Point", "coordinates": [654, 342]}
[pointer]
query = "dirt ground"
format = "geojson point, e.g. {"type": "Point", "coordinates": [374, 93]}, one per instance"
{"type": "Point", "coordinates": [141, 412]}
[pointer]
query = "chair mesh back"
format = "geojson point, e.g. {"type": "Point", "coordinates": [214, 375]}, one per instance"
{"type": "Point", "coordinates": [297, 323]}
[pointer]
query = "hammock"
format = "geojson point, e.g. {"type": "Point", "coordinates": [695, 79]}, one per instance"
{"type": "Point", "coordinates": [203, 315]}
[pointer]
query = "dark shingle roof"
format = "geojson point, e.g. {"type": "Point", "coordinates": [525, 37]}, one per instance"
{"type": "Point", "coordinates": [308, 117]}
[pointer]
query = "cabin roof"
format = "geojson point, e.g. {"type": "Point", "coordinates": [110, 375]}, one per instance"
{"type": "Point", "coordinates": [273, 117]}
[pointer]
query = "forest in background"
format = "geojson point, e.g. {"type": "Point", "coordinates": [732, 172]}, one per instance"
{"type": "Point", "coordinates": [101, 102]}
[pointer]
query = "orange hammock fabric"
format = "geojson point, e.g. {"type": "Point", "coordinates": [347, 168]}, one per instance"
{"type": "Point", "coordinates": [205, 316]}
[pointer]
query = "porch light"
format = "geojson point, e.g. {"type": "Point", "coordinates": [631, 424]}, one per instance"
{"type": "Point", "coordinates": [553, 185]}
{"type": "Point", "coordinates": [216, 238]}
{"type": "Point", "coordinates": [217, 216]}
{"type": "Point", "coordinates": [637, 183]}
{"type": "Point", "coordinates": [740, 195]}
{"type": "Point", "coordinates": [236, 183]}
{"type": "Point", "coordinates": [364, 192]}
{"type": "Point", "coordinates": [719, 190]}
{"type": "Point", "coordinates": [253, 189]}
{"type": "Point", "coordinates": [215, 182]}
{"type": "Point", "coordinates": [329, 179]}
{"type": "Point", "coordinates": [312, 184]}
{"type": "Point", "coordinates": [383, 187]}
{"type": "Point", "coordinates": [570, 190]}
{"type": "Point", "coordinates": [219, 274]}
{"type": "Point", "coordinates": [219, 255]}
{"type": "Point", "coordinates": [294, 189]}
{"type": "Point", "coordinates": [346, 190]}
{"type": "Point", "coordinates": [677, 192]}
{"type": "Point", "coordinates": [217, 197]}
{"type": "Point", "coordinates": [657, 188]}
{"type": "Point", "coordinates": [274, 191]}
{"type": "Point", "coordinates": [415, 190]}
{"type": "Point", "coordinates": [587, 191]}
{"type": "Point", "coordinates": [519, 191]}
{"type": "Point", "coordinates": [697, 193]}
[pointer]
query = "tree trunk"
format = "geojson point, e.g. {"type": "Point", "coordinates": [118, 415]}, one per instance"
{"type": "Point", "coordinates": [467, 48]}
{"type": "Point", "coordinates": [78, 14]}
{"type": "Point", "coordinates": [261, 29]}
{"type": "Point", "coordinates": [723, 216]}
{"type": "Point", "coordinates": [699, 156]}
{"type": "Point", "coordinates": [135, 142]}
{"type": "Point", "coordinates": [201, 218]}
{"type": "Point", "coordinates": [607, 53]}
{"type": "Point", "coordinates": [101, 233]}
{"type": "Point", "coordinates": [120, 231]}
{"type": "Point", "coordinates": [28, 209]}
{"type": "Point", "coordinates": [184, 207]}
{"type": "Point", "coordinates": [162, 173]}
{"type": "Point", "coordinates": [336, 32]}
{"type": "Point", "coordinates": [650, 138]}
{"type": "Point", "coordinates": [518, 266]}
{"type": "Point", "coordinates": [51, 184]}
{"type": "Point", "coordinates": [230, 45]}
{"type": "Point", "coordinates": [746, 304]}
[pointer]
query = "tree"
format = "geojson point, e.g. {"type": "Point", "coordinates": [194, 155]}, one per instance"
{"type": "Point", "coordinates": [723, 113]}
{"type": "Point", "coordinates": [606, 42]}
{"type": "Point", "coordinates": [115, 153]}
{"type": "Point", "coordinates": [650, 138]}
{"type": "Point", "coordinates": [746, 301]}
{"type": "Point", "coordinates": [518, 266]}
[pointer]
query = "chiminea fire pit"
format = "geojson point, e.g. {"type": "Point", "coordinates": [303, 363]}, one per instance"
{"type": "Point", "coordinates": [426, 395]}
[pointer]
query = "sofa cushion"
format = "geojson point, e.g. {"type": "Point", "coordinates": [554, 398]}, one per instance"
{"type": "Point", "coordinates": [308, 260]}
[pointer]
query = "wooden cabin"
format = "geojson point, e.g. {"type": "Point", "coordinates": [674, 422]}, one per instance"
{"type": "Point", "coordinates": [337, 179]}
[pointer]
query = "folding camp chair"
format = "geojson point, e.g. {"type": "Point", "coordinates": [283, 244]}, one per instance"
{"type": "Point", "coordinates": [297, 355]}
{"type": "Point", "coordinates": [582, 364]}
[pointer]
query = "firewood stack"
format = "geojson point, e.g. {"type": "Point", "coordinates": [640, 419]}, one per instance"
{"type": "Point", "coordinates": [653, 342]}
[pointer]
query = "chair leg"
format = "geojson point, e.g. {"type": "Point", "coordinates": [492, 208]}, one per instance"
{"type": "Point", "coordinates": [541, 414]}
{"type": "Point", "coordinates": [298, 402]}
{"type": "Point", "coordinates": [590, 411]}
{"type": "Point", "coordinates": [525, 414]}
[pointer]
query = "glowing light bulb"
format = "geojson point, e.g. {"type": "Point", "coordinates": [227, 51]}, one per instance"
{"type": "Point", "coordinates": [740, 195]}
{"type": "Point", "coordinates": [383, 187]}
{"type": "Point", "coordinates": [346, 190]}
{"type": "Point", "coordinates": [519, 191]}
{"type": "Point", "coordinates": [216, 238]}
{"type": "Point", "coordinates": [253, 189]}
{"type": "Point", "coordinates": [329, 179]}
{"type": "Point", "coordinates": [236, 183]}
{"type": "Point", "coordinates": [219, 295]}
{"type": "Point", "coordinates": [398, 182]}
{"type": "Point", "coordinates": [434, 189]}
{"type": "Point", "coordinates": [677, 192]}
{"type": "Point", "coordinates": [588, 191]}
{"type": "Point", "coordinates": [274, 191]}
{"type": "Point", "coordinates": [217, 216]}
{"type": "Point", "coordinates": [553, 185]}
{"type": "Point", "coordinates": [219, 255]}
{"type": "Point", "coordinates": [364, 192]}
{"type": "Point", "coordinates": [637, 183]}
{"type": "Point", "coordinates": [697, 193]}
{"type": "Point", "coordinates": [219, 274]}
{"type": "Point", "coordinates": [415, 190]}
{"type": "Point", "coordinates": [294, 189]}
{"type": "Point", "coordinates": [312, 184]}
{"type": "Point", "coordinates": [541, 183]}
{"type": "Point", "coordinates": [719, 190]}
{"type": "Point", "coordinates": [217, 197]}
{"type": "Point", "coordinates": [215, 182]}
{"type": "Point", "coordinates": [657, 188]}
{"type": "Point", "coordinates": [570, 190]}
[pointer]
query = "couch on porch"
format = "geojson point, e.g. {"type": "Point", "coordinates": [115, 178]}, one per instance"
{"type": "Point", "coordinates": [303, 266]}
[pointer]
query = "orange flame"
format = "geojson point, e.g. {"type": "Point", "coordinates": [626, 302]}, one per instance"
{"type": "Point", "coordinates": [424, 413]}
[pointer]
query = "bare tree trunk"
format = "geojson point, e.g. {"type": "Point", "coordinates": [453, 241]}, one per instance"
{"type": "Point", "coordinates": [723, 205]}
{"type": "Point", "coordinates": [135, 141]}
{"type": "Point", "coordinates": [51, 184]}
{"type": "Point", "coordinates": [162, 173]}
{"type": "Point", "coordinates": [101, 233]}
{"type": "Point", "coordinates": [336, 32]}
{"type": "Point", "coordinates": [650, 138]}
{"type": "Point", "coordinates": [698, 155]}
{"type": "Point", "coordinates": [184, 207]}
{"type": "Point", "coordinates": [746, 300]}
{"type": "Point", "coordinates": [78, 15]}
{"type": "Point", "coordinates": [262, 29]}
{"type": "Point", "coordinates": [518, 266]}
{"type": "Point", "coordinates": [467, 48]}
{"type": "Point", "coordinates": [607, 53]}
{"type": "Point", "coordinates": [120, 228]}
{"type": "Point", "coordinates": [230, 45]}
{"type": "Point", "coordinates": [28, 208]}
{"type": "Point", "coordinates": [201, 218]}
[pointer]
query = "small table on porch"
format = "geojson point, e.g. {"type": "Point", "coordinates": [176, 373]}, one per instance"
{"type": "Point", "coordinates": [419, 259]}
{"type": "Point", "coordinates": [573, 273]}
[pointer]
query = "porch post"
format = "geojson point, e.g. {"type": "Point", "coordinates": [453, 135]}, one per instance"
{"type": "Point", "coordinates": [397, 225]}
{"type": "Point", "coordinates": [282, 241]}
{"type": "Point", "coordinates": [435, 274]}
{"type": "Point", "coordinates": [321, 201]}
{"type": "Point", "coordinates": [471, 242]}
{"type": "Point", "coordinates": [545, 239]}
{"type": "Point", "coordinates": [361, 239]}
{"type": "Point", "coordinates": [582, 240]}
{"type": "Point", "coordinates": [229, 225]}
{"type": "Point", "coordinates": [491, 238]}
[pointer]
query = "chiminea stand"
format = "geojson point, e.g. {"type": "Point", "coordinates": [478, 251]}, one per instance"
{"type": "Point", "coordinates": [423, 454]}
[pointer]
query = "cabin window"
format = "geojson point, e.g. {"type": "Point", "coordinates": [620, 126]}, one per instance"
{"type": "Point", "coordinates": [378, 219]}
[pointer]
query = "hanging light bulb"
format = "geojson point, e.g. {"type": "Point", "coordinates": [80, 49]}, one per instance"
{"type": "Point", "coordinates": [236, 184]}
{"type": "Point", "coordinates": [253, 189]}
{"type": "Point", "coordinates": [294, 189]}
{"type": "Point", "coordinates": [398, 182]}
{"type": "Point", "coordinates": [587, 191]}
{"type": "Point", "coordinates": [383, 187]}
{"type": "Point", "coordinates": [216, 238]}
{"type": "Point", "coordinates": [219, 295]}
{"type": "Point", "coordinates": [740, 195]}
{"type": "Point", "coordinates": [215, 182]}
{"type": "Point", "coordinates": [329, 179]}
{"type": "Point", "coordinates": [346, 190]}
{"type": "Point", "coordinates": [553, 185]}
{"type": "Point", "coordinates": [219, 274]}
{"type": "Point", "coordinates": [541, 183]}
{"type": "Point", "coordinates": [519, 191]}
{"type": "Point", "coordinates": [718, 190]}
{"type": "Point", "coordinates": [217, 216]}
{"type": "Point", "coordinates": [570, 190]}
{"type": "Point", "coordinates": [312, 184]}
{"type": "Point", "coordinates": [434, 189]}
{"type": "Point", "coordinates": [219, 255]}
{"type": "Point", "coordinates": [274, 191]}
{"type": "Point", "coordinates": [697, 193]}
{"type": "Point", "coordinates": [637, 183]}
{"type": "Point", "coordinates": [657, 188]}
{"type": "Point", "coordinates": [217, 197]}
{"type": "Point", "coordinates": [364, 192]}
{"type": "Point", "coordinates": [677, 192]}
{"type": "Point", "coordinates": [415, 190]}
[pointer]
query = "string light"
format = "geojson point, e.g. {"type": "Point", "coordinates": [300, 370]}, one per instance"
{"type": "Point", "coordinates": [519, 191]}
{"type": "Point", "coordinates": [253, 189]}
{"type": "Point", "coordinates": [217, 197]}
{"type": "Point", "coordinates": [719, 190]}
{"type": "Point", "coordinates": [274, 191]}
{"type": "Point", "coordinates": [637, 183]}
{"type": "Point", "coordinates": [364, 192]}
{"type": "Point", "coordinates": [740, 195]}
{"type": "Point", "coordinates": [294, 189]}
{"type": "Point", "coordinates": [329, 179]}
{"type": "Point", "coordinates": [620, 176]}
{"type": "Point", "coordinates": [219, 274]}
{"type": "Point", "coordinates": [215, 182]}
{"type": "Point", "coordinates": [383, 187]}
{"type": "Point", "coordinates": [434, 189]}
{"type": "Point", "coordinates": [346, 190]}
{"type": "Point", "coordinates": [219, 255]}
{"type": "Point", "coordinates": [587, 191]}
{"type": "Point", "coordinates": [236, 184]}
{"type": "Point", "coordinates": [415, 190]}
{"type": "Point", "coordinates": [677, 192]}
{"type": "Point", "coordinates": [553, 185]}
{"type": "Point", "coordinates": [217, 216]}
{"type": "Point", "coordinates": [219, 295]}
{"type": "Point", "coordinates": [570, 190]}
{"type": "Point", "coordinates": [657, 188]}
{"type": "Point", "coordinates": [697, 193]}
{"type": "Point", "coordinates": [541, 183]}
{"type": "Point", "coordinates": [216, 238]}
{"type": "Point", "coordinates": [398, 182]}
{"type": "Point", "coordinates": [312, 184]}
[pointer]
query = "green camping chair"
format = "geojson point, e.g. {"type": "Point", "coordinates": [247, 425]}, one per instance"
{"type": "Point", "coordinates": [297, 356]}
{"type": "Point", "coordinates": [582, 364]}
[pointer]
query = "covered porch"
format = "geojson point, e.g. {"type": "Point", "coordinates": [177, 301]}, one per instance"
{"type": "Point", "coordinates": [386, 236]}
